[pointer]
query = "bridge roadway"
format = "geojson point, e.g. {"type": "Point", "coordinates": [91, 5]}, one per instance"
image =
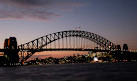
{"type": "Point", "coordinates": [61, 49]}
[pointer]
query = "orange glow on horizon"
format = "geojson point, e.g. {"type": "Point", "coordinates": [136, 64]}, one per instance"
{"type": "Point", "coordinates": [57, 54]}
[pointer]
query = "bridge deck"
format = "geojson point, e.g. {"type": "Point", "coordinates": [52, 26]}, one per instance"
{"type": "Point", "coordinates": [61, 49]}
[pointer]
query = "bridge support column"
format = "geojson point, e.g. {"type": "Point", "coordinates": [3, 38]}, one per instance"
{"type": "Point", "coordinates": [11, 52]}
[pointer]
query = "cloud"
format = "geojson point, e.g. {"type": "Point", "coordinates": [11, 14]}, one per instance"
{"type": "Point", "coordinates": [34, 9]}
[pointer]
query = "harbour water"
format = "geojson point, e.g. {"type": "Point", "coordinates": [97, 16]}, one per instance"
{"type": "Point", "coordinates": [71, 72]}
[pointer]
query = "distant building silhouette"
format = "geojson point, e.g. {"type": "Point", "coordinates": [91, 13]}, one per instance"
{"type": "Point", "coordinates": [125, 47]}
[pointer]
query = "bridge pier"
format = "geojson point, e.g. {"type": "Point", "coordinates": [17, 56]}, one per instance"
{"type": "Point", "coordinates": [10, 51]}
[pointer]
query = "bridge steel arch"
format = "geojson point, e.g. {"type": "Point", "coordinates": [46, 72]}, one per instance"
{"type": "Point", "coordinates": [43, 41]}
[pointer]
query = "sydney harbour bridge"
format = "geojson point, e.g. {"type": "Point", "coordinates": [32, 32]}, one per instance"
{"type": "Point", "coordinates": [71, 40]}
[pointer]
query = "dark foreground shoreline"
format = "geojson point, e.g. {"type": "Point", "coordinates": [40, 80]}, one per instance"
{"type": "Point", "coordinates": [19, 65]}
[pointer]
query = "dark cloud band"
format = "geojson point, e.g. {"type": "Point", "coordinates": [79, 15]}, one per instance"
{"type": "Point", "coordinates": [38, 9]}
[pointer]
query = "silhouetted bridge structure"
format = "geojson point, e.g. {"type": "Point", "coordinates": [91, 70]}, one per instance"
{"type": "Point", "coordinates": [71, 40]}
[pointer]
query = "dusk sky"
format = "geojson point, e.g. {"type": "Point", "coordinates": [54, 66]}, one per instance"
{"type": "Point", "coordinates": [115, 20]}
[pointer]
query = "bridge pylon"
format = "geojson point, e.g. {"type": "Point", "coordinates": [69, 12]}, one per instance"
{"type": "Point", "coordinates": [10, 50]}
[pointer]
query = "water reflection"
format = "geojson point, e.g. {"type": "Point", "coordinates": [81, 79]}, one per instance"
{"type": "Point", "coordinates": [71, 72]}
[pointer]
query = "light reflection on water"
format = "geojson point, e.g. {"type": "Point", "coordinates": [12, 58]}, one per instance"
{"type": "Point", "coordinates": [71, 72]}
